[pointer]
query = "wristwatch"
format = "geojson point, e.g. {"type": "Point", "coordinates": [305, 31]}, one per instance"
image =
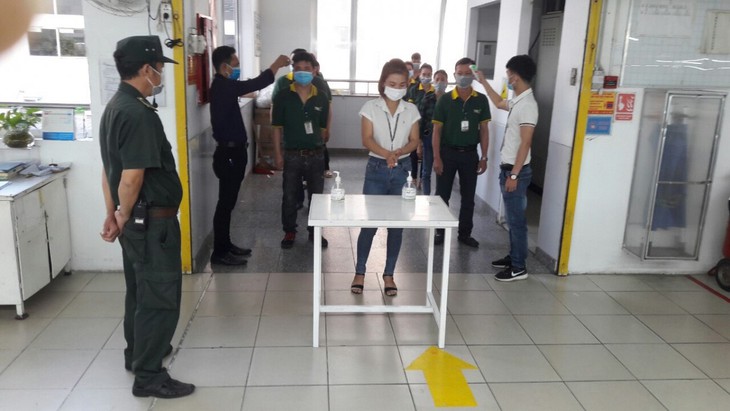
{"type": "Point", "coordinates": [513, 176]}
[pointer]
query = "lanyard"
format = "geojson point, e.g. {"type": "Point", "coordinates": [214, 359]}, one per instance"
{"type": "Point", "coordinates": [391, 131]}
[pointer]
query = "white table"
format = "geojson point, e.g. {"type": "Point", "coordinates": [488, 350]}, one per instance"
{"type": "Point", "coordinates": [360, 210]}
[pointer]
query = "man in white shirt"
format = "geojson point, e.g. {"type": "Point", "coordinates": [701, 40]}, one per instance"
{"type": "Point", "coordinates": [515, 172]}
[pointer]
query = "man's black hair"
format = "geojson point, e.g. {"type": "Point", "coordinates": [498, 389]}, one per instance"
{"type": "Point", "coordinates": [127, 69]}
{"type": "Point", "coordinates": [295, 51]}
{"type": "Point", "coordinates": [303, 56]}
{"type": "Point", "coordinates": [464, 60]}
{"type": "Point", "coordinates": [426, 66]}
{"type": "Point", "coordinates": [523, 66]}
{"type": "Point", "coordinates": [221, 55]}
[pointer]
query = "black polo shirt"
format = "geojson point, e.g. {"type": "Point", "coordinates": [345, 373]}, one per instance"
{"type": "Point", "coordinates": [131, 136]}
{"type": "Point", "coordinates": [225, 113]}
{"type": "Point", "coordinates": [451, 110]}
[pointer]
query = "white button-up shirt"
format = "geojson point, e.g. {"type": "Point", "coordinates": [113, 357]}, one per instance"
{"type": "Point", "coordinates": [390, 131]}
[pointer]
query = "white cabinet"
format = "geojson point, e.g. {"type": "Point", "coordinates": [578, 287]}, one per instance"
{"type": "Point", "coordinates": [35, 240]}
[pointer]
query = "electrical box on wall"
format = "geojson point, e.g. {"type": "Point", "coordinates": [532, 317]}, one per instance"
{"type": "Point", "coordinates": [165, 12]}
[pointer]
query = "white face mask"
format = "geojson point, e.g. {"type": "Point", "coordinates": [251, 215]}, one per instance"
{"type": "Point", "coordinates": [395, 94]}
{"type": "Point", "coordinates": [156, 89]}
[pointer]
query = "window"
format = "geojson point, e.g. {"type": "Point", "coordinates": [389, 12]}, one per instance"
{"type": "Point", "coordinates": [230, 24]}
{"type": "Point", "coordinates": [59, 29]}
{"type": "Point", "coordinates": [42, 42]}
{"type": "Point", "coordinates": [72, 42]}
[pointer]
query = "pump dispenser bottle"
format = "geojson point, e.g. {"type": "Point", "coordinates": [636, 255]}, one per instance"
{"type": "Point", "coordinates": [338, 190]}
{"type": "Point", "coordinates": [409, 189]}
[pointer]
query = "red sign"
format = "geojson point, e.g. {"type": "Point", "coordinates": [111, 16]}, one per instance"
{"type": "Point", "coordinates": [625, 107]}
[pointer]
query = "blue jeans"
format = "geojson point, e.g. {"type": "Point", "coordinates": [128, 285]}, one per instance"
{"type": "Point", "coordinates": [298, 167]}
{"type": "Point", "coordinates": [515, 204]}
{"type": "Point", "coordinates": [379, 179]}
{"type": "Point", "coordinates": [426, 164]}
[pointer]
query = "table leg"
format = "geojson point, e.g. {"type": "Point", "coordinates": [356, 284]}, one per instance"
{"type": "Point", "coordinates": [317, 286]}
{"type": "Point", "coordinates": [444, 287]}
{"type": "Point", "coordinates": [20, 313]}
{"type": "Point", "coordinates": [429, 276]}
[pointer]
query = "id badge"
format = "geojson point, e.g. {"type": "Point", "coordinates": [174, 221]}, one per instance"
{"type": "Point", "coordinates": [308, 127]}
{"type": "Point", "coordinates": [464, 125]}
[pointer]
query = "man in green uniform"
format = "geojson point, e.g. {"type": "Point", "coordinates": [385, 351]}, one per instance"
{"type": "Point", "coordinates": [301, 112]}
{"type": "Point", "coordinates": [142, 192]}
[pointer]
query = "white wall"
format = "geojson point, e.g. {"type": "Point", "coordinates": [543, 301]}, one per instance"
{"type": "Point", "coordinates": [286, 25]}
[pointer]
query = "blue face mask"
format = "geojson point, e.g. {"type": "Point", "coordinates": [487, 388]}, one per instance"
{"type": "Point", "coordinates": [236, 73]}
{"type": "Point", "coordinates": [303, 77]}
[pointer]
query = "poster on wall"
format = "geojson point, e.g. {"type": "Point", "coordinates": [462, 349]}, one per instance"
{"type": "Point", "coordinates": [599, 125]}
{"type": "Point", "coordinates": [665, 18]}
{"type": "Point", "coordinates": [602, 103]}
{"type": "Point", "coordinates": [625, 106]}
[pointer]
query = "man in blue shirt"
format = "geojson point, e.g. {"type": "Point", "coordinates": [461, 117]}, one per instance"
{"type": "Point", "coordinates": [231, 155]}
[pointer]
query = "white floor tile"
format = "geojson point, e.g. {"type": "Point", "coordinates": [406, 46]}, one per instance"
{"type": "Point", "coordinates": [213, 332]}
{"type": "Point", "coordinates": [532, 303]}
{"type": "Point", "coordinates": [654, 361]}
{"type": "Point", "coordinates": [365, 365]}
{"type": "Point", "coordinates": [225, 304]}
{"type": "Point", "coordinates": [31, 400]}
{"type": "Point", "coordinates": [96, 304]}
{"type": "Point", "coordinates": [700, 302]}
{"type": "Point", "coordinates": [590, 303]}
{"type": "Point", "coordinates": [45, 304]}
{"type": "Point", "coordinates": [601, 396]}
{"type": "Point", "coordinates": [300, 398]}
{"type": "Point", "coordinates": [649, 302]}
{"type": "Point", "coordinates": [76, 333]}
{"type": "Point", "coordinates": [517, 363]}
{"type": "Point", "coordinates": [491, 329]}
{"type": "Point", "coordinates": [585, 363]}
{"type": "Point", "coordinates": [542, 396]}
{"type": "Point", "coordinates": [348, 298]}
{"type": "Point", "coordinates": [195, 282]}
{"type": "Point", "coordinates": [532, 283]}
{"type": "Point", "coordinates": [720, 323]}
{"type": "Point", "coordinates": [107, 282]}
{"type": "Point", "coordinates": [460, 352]}
{"type": "Point", "coordinates": [681, 329]}
{"type": "Point", "coordinates": [107, 372]}
{"type": "Point", "coordinates": [204, 367]}
{"type": "Point", "coordinates": [568, 283]}
{"type": "Point", "coordinates": [6, 357]}
{"type": "Point", "coordinates": [239, 282]}
{"type": "Point", "coordinates": [74, 282]}
{"type": "Point", "coordinates": [555, 329]}
{"type": "Point", "coordinates": [389, 397]}
{"type": "Point", "coordinates": [724, 383]}
{"type": "Point", "coordinates": [16, 335]}
{"type": "Point", "coordinates": [689, 395]}
{"type": "Point", "coordinates": [669, 282]}
{"type": "Point", "coordinates": [619, 282]}
{"type": "Point", "coordinates": [420, 329]}
{"type": "Point", "coordinates": [288, 366]}
{"type": "Point", "coordinates": [288, 331]}
{"type": "Point", "coordinates": [119, 399]}
{"type": "Point", "coordinates": [466, 282]}
{"type": "Point", "coordinates": [288, 303]}
{"type": "Point", "coordinates": [423, 398]}
{"type": "Point", "coordinates": [475, 302]}
{"type": "Point", "coordinates": [205, 399]}
{"type": "Point", "coordinates": [712, 359]}
{"type": "Point", "coordinates": [46, 369]}
{"type": "Point", "coordinates": [290, 282]}
{"type": "Point", "coordinates": [359, 329]}
{"type": "Point", "coordinates": [618, 329]}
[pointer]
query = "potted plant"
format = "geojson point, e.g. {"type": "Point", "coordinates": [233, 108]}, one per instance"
{"type": "Point", "coordinates": [17, 122]}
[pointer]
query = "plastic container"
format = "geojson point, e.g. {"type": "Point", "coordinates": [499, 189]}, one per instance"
{"type": "Point", "coordinates": [338, 190]}
{"type": "Point", "coordinates": [409, 189]}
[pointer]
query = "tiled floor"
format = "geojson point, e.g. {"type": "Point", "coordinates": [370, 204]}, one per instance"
{"type": "Point", "coordinates": [592, 342]}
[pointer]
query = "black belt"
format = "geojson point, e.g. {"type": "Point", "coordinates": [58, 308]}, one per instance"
{"type": "Point", "coordinates": [509, 167]}
{"type": "Point", "coordinates": [305, 152]}
{"type": "Point", "coordinates": [232, 144]}
{"type": "Point", "coordinates": [462, 149]}
{"type": "Point", "coordinates": [162, 212]}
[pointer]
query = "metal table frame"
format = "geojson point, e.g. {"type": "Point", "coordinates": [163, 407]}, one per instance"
{"type": "Point", "coordinates": [383, 211]}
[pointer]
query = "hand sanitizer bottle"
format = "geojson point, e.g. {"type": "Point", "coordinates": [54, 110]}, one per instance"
{"type": "Point", "coordinates": [338, 190]}
{"type": "Point", "coordinates": [409, 189]}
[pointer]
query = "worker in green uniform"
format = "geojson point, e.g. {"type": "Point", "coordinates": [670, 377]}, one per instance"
{"type": "Point", "coordinates": [142, 192]}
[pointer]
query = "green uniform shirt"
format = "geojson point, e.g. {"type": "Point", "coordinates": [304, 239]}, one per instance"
{"type": "Point", "coordinates": [132, 137]}
{"type": "Point", "coordinates": [289, 112]}
{"type": "Point", "coordinates": [451, 111]}
{"type": "Point", "coordinates": [283, 83]}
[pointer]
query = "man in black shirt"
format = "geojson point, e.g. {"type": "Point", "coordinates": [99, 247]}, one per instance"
{"type": "Point", "coordinates": [231, 155]}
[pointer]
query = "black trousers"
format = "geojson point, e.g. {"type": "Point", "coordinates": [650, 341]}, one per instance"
{"type": "Point", "coordinates": [229, 165]}
{"type": "Point", "coordinates": [309, 168]}
{"type": "Point", "coordinates": [464, 163]}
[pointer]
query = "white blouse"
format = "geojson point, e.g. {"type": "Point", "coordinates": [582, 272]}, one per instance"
{"type": "Point", "coordinates": [390, 131]}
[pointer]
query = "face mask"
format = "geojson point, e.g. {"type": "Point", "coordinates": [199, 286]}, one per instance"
{"type": "Point", "coordinates": [303, 77]}
{"type": "Point", "coordinates": [416, 66]}
{"type": "Point", "coordinates": [394, 94]}
{"type": "Point", "coordinates": [440, 87]}
{"type": "Point", "coordinates": [510, 86]}
{"type": "Point", "coordinates": [426, 80]}
{"type": "Point", "coordinates": [235, 74]}
{"type": "Point", "coordinates": [156, 89]}
{"type": "Point", "coordinates": [464, 81]}
{"type": "Point", "coordinates": [410, 73]}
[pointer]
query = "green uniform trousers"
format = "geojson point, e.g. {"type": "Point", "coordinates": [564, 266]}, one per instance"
{"type": "Point", "coordinates": [153, 274]}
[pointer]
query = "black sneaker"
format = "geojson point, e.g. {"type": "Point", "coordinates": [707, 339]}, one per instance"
{"type": "Point", "coordinates": [227, 259]}
{"type": "Point", "coordinates": [470, 241]}
{"type": "Point", "coordinates": [505, 262]}
{"type": "Point", "coordinates": [288, 241]}
{"type": "Point", "coordinates": [511, 274]}
{"type": "Point", "coordinates": [325, 243]}
{"type": "Point", "coordinates": [170, 388]}
{"type": "Point", "coordinates": [239, 251]}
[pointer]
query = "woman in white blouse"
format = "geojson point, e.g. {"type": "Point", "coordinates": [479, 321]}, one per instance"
{"type": "Point", "coordinates": [390, 131]}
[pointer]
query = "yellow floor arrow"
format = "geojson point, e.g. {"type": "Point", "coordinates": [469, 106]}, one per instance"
{"type": "Point", "coordinates": [445, 380]}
